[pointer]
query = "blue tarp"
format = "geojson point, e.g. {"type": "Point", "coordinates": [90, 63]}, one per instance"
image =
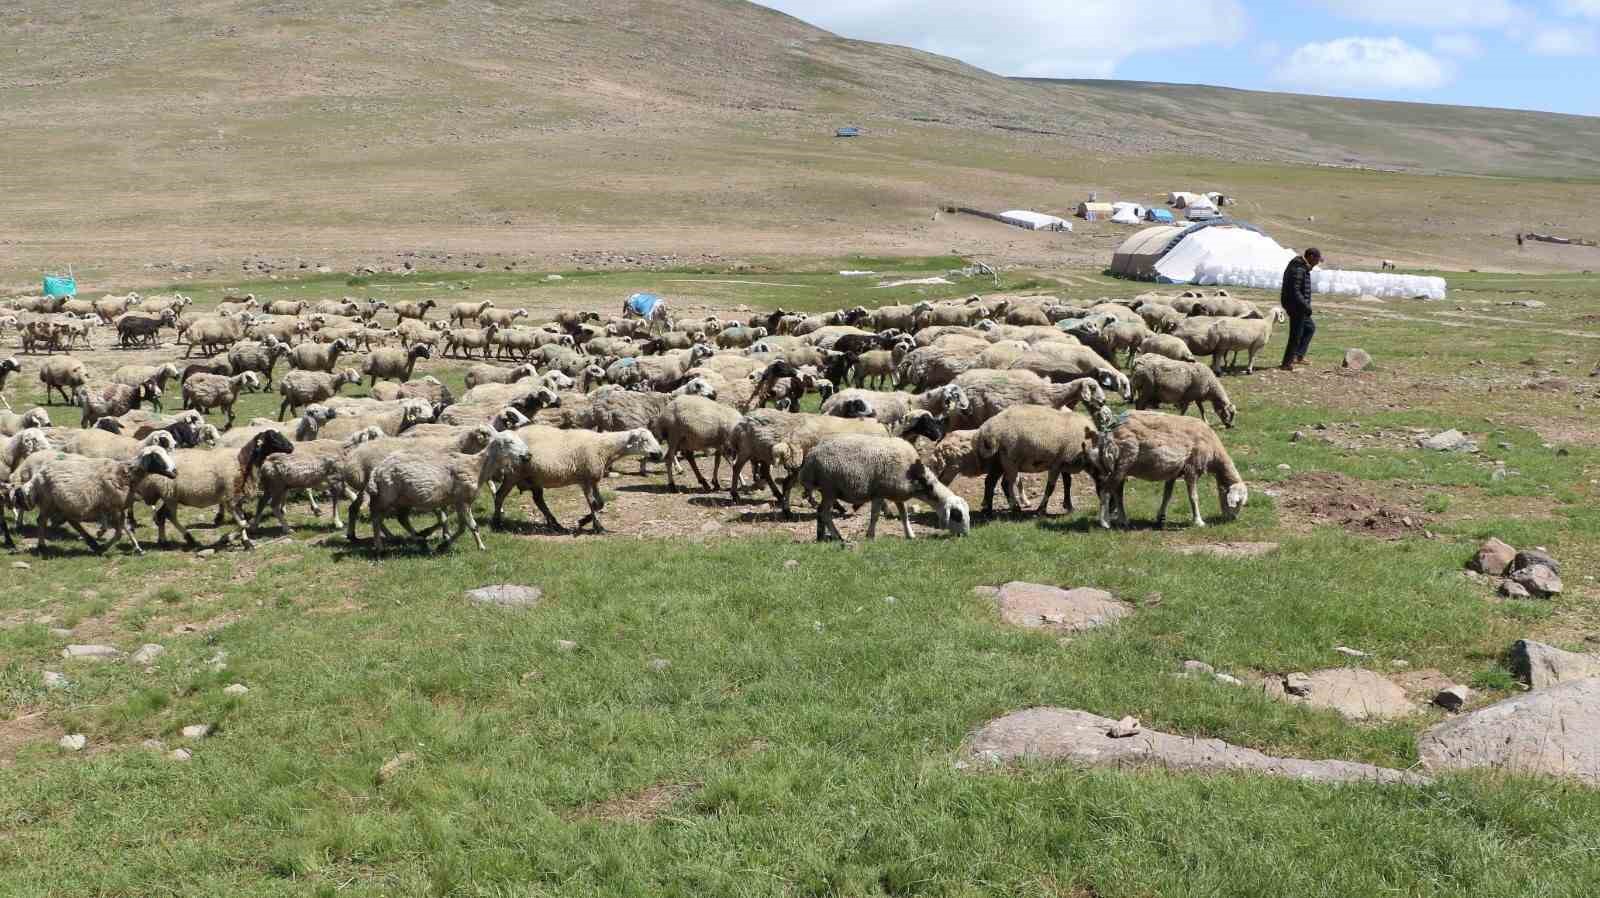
{"type": "Point", "coordinates": [644, 304]}
{"type": "Point", "coordinates": [1159, 215]}
{"type": "Point", "coordinates": [58, 286]}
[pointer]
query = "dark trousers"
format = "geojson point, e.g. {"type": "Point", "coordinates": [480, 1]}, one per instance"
{"type": "Point", "coordinates": [1301, 330]}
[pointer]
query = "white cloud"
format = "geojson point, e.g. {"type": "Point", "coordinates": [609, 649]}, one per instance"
{"type": "Point", "coordinates": [1042, 38]}
{"type": "Point", "coordinates": [1434, 14]}
{"type": "Point", "coordinates": [1588, 8]}
{"type": "Point", "coordinates": [1364, 64]}
{"type": "Point", "coordinates": [1562, 41]}
{"type": "Point", "coordinates": [1460, 45]}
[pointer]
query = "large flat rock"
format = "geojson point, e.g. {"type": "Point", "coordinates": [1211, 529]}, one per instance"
{"type": "Point", "coordinates": [1037, 606]}
{"type": "Point", "coordinates": [1355, 693]}
{"type": "Point", "coordinates": [1553, 731]}
{"type": "Point", "coordinates": [1078, 737]}
{"type": "Point", "coordinates": [506, 596]}
{"type": "Point", "coordinates": [1541, 665]}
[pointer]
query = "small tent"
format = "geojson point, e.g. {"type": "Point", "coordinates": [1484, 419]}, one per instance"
{"type": "Point", "coordinates": [1127, 213]}
{"type": "Point", "coordinates": [1159, 215]}
{"type": "Point", "coordinates": [1034, 221]}
{"type": "Point", "coordinates": [1095, 211]}
{"type": "Point", "coordinates": [1183, 199]}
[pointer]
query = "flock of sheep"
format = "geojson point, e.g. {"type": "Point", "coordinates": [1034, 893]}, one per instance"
{"type": "Point", "coordinates": [983, 387]}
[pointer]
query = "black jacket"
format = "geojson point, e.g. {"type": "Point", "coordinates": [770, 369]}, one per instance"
{"type": "Point", "coordinates": [1296, 296]}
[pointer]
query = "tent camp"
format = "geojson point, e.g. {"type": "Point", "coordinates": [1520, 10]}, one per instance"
{"type": "Point", "coordinates": [1171, 254]}
{"type": "Point", "coordinates": [1034, 221]}
{"type": "Point", "coordinates": [1095, 211]}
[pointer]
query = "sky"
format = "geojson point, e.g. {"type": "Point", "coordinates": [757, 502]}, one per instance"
{"type": "Point", "coordinates": [1521, 54]}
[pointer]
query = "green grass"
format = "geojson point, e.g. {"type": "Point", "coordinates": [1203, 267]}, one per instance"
{"type": "Point", "coordinates": [810, 730]}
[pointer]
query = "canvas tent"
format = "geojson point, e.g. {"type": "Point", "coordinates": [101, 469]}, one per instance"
{"type": "Point", "coordinates": [1183, 199]}
{"type": "Point", "coordinates": [1034, 221]}
{"type": "Point", "coordinates": [1138, 255]}
{"type": "Point", "coordinates": [1172, 254]}
{"type": "Point", "coordinates": [1095, 211]}
{"type": "Point", "coordinates": [1127, 213]}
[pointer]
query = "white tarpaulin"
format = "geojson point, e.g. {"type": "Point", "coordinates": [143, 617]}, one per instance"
{"type": "Point", "coordinates": [1223, 248]}
{"type": "Point", "coordinates": [1127, 213]}
{"type": "Point", "coordinates": [1324, 280]}
{"type": "Point", "coordinates": [1035, 221]}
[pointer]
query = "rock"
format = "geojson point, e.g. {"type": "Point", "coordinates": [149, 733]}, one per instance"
{"type": "Point", "coordinates": [54, 680]}
{"type": "Point", "coordinates": [1453, 698]}
{"type": "Point", "coordinates": [196, 731]}
{"type": "Point", "coordinates": [1350, 652]}
{"type": "Point", "coordinates": [1297, 436]}
{"type": "Point", "coordinates": [566, 645]}
{"type": "Point", "coordinates": [1511, 589]}
{"type": "Point", "coordinates": [153, 745]}
{"type": "Point", "coordinates": [1036, 606]}
{"type": "Point", "coordinates": [1494, 558]}
{"type": "Point", "coordinates": [180, 754]}
{"type": "Point", "coordinates": [73, 742]}
{"type": "Point", "coordinates": [658, 664]}
{"type": "Point", "coordinates": [506, 596]}
{"type": "Point", "coordinates": [1124, 728]}
{"type": "Point", "coordinates": [1284, 468]}
{"type": "Point", "coordinates": [1449, 441]}
{"type": "Point", "coordinates": [1199, 667]}
{"type": "Point", "coordinates": [1228, 550]}
{"type": "Point", "coordinates": [1553, 731]}
{"type": "Point", "coordinates": [1533, 557]}
{"type": "Point", "coordinates": [148, 653]}
{"type": "Point", "coordinates": [889, 600]}
{"type": "Point", "coordinates": [394, 765]}
{"type": "Point", "coordinates": [60, 633]}
{"type": "Point", "coordinates": [1538, 580]}
{"type": "Point", "coordinates": [1298, 684]}
{"type": "Point", "coordinates": [1078, 737]}
{"type": "Point", "coordinates": [235, 689]}
{"type": "Point", "coordinates": [1230, 680]}
{"type": "Point", "coordinates": [91, 653]}
{"type": "Point", "coordinates": [1356, 359]}
{"type": "Point", "coordinates": [21, 565]}
{"type": "Point", "coordinates": [790, 565]}
{"type": "Point", "coordinates": [1353, 692]}
{"type": "Point", "coordinates": [1541, 666]}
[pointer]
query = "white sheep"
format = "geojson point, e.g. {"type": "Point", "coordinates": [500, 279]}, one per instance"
{"type": "Point", "coordinates": [859, 468]}
{"type": "Point", "coordinates": [427, 479]}
{"type": "Point", "coordinates": [319, 356]}
{"type": "Point", "coordinates": [1032, 439]}
{"type": "Point", "coordinates": [891, 408]}
{"type": "Point", "coordinates": [395, 364]}
{"type": "Point", "coordinates": [204, 392]}
{"type": "Point", "coordinates": [1165, 345]}
{"type": "Point", "coordinates": [1238, 335]}
{"type": "Point", "coordinates": [111, 400]}
{"type": "Point", "coordinates": [302, 388]}
{"type": "Point", "coordinates": [211, 478]}
{"type": "Point", "coordinates": [357, 464]}
{"type": "Point", "coordinates": [691, 424]}
{"type": "Point", "coordinates": [12, 424]}
{"type": "Point", "coordinates": [557, 458]}
{"type": "Point", "coordinates": [314, 465]}
{"type": "Point", "coordinates": [65, 374]}
{"type": "Point", "coordinates": [77, 490]}
{"type": "Point", "coordinates": [1158, 380]}
{"type": "Point", "coordinates": [1165, 448]}
{"type": "Point", "coordinates": [484, 373]}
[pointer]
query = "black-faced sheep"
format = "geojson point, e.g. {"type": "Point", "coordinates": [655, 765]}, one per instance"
{"type": "Point", "coordinates": [211, 478]}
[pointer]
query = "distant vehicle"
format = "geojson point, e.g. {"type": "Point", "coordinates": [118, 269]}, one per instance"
{"type": "Point", "coordinates": [847, 132]}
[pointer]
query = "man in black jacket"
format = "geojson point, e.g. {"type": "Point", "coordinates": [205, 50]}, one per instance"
{"type": "Point", "coordinates": [1296, 301]}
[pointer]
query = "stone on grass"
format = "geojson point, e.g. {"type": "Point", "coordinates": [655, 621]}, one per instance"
{"type": "Point", "coordinates": [1511, 589]}
{"type": "Point", "coordinates": [153, 745]}
{"type": "Point", "coordinates": [1078, 737]}
{"type": "Point", "coordinates": [1298, 684]}
{"type": "Point", "coordinates": [1453, 698]}
{"type": "Point", "coordinates": [1531, 557]}
{"type": "Point", "coordinates": [791, 564]}
{"type": "Point", "coordinates": [196, 731]}
{"type": "Point", "coordinates": [73, 742]}
{"type": "Point", "coordinates": [1541, 666]}
{"type": "Point", "coordinates": [54, 679]}
{"type": "Point", "coordinates": [235, 689]}
{"type": "Point", "coordinates": [1036, 606]}
{"type": "Point", "coordinates": [658, 664]}
{"type": "Point", "coordinates": [180, 754]}
{"type": "Point", "coordinates": [1448, 441]}
{"type": "Point", "coordinates": [1124, 728]}
{"type": "Point", "coordinates": [1229, 679]}
{"type": "Point", "coordinates": [1228, 550]}
{"type": "Point", "coordinates": [1350, 652]}
{"type": "Point", "coordinates": [91, 653]}
{"type": "Point", "coordinates": [61, 632]}
{"type": "Point", "coordinates": [1355, 693]}
{"type": "Point", "coordinates": [148, 653]}
{"type": "Point", "coordinates": [1198, 667]}
{"type": "Point", "coordinates": [1538, 580]}
{"type": "Point", "coordinates": [394, 765]}
{"type": "Point", "coordinates": [1553, 731]}
{"type": "Point", "coordinates": [506, 596]}
{"type": "Point", "coordinates": [1494, 558]}
{"type": "Point", "coordinates": [218, 661]}
{"type": "Point", "coordinates": [1356, 359]}
{"type": "Point", "coordinates": [566, 645]}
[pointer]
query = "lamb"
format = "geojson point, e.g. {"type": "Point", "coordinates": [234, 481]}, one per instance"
{"type": "Point", "coordinates": [314, 465]}
{"type": "Point", "coordinates": [12, 424]}
{"type": "Point", "coordinates": [431, 480]}
{"type": "Point", "coordinates": [395, 364]}
{"type": "Point", "coordinates": [557, 458]}
{"type": "Point", "coordinates": [990, 392]}
{"type": "Point", "coordinates": [1123, 336]}
{"type": "Point", "coordinates": [414, 310]}
{"type": "Point", "coordinates": [1237, 335]}
{"type": "Point", "coordinates": [691, 424]}
{"type": "Point", "coordinates": [1159, 380]}
{"type": "Point", "coordinates": [319, 356]}
{"type": "Point", "coordinates": [465, 312]}
{"type": "Point", "coordinates": [890, 408]}
{"type": "Point", "coordinates": [859, 468]}
{"type": "Point", "coordinates": [494, 374]}
{"type": "Point", "coordinates": [212, 335]}
{"type": "Point", "coordinates": [430, 388]}
{"type": "Point", "coordinates": [1165, 345]}
{"type": "Point", "coordinates": [1161, 447]}
{"type": "Point", "coordinates": [1029, 439]}
{"type": "Point", "coordinates": [204, 392]}
{"type": "Point", "coordinates": [112, 400]}
{"type": "Point", "coordinates": [878, 365]}
{"type": "Point", "coordinates": [77, 490]}
{"type": "Point", "coordinates": [301, 388]}
{"type": "Point", "coordinates": [464, 341]}
{"type": "Point", "coordinates": [65, 374]}
{"type": "Point", "coordinates": [261, 358]}
{"type": "Point", "coordinates": [501, 317]}
{"type": "Point", "coordinates": [210, 478]}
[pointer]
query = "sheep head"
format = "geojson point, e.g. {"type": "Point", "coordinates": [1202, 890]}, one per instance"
{"type": "Point", "coordinates": [157, 461]}
{"type": "Point", "coordinates": [8, 366]}
{"type": "Point", "coordinates": [505, 452]}
{"type": "Point", "coordinates": [1234, 498]}
{"type": "Point", "coordinates": [640, 441]}
{"type": "Point", "coordinates": [37, 417]}
{"type": "Point", "coordinates": [320, 413]}
{"type": "Point", "coordinates": [508, 418]}
{"type": "Point", "coordinates": [952, 396]}
{"type": "Point", "coordinates": [1226, 411]}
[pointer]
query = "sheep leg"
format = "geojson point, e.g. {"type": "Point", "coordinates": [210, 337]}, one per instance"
{"type": "Point", "coordinates": [671, 462]}
{"type": "Point", "coordinates": [465, 511]}
{"type": "Point", "coordinates": [1194, 499]}
{"type": "Point", "coordinates": [379, 532]}
{"type": "Point", "coordinates": [1122, 504]}
{"type": "Point", "coordinates": [244, 526]}
{"type": "Point", "coordinates": [872, 519]}
{"type": "Point", "coordinates": [1009, 484]}
{"type": "Point", "coordinates": [5, 533]}
{"type": "Point", "coordinates": [1250, 364]}
{"type": "Point", "coordinates": [549, 517]}
{"type": "Point", "coordinates": [283, 408]}
{"type": "Point", "coordinates": [171, 515]}
{"type": "Point", "coordinates": [783, 496]}
{"type": "Point", "coordinates": [716, 470]}
{"type": "Point", "coordinates": [351, 513]}
{"type": "Point", "coordinates": [1107, 497]}
{"type": "Point", "coordinates": [991, 478]}
{"type": "Point", "coordinates": [689, 457]}
{"type": "Point", "coordinates": [1050, 490]}
{"type": "Point", "coordinates": [94, 547]}
{"type": "Point", "coordinates": [905, 520]}
{"type": "Point", "coordinates": [592, 493]}
{"type": "Point", "coordinates": [500, 493]}
{"type": "Point", "coordinates": [1166, 499]}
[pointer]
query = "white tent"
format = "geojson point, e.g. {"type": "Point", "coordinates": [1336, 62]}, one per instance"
{"type": "Point", "coordinates": [1035, 221]}
{"type": "Point", "coordinates": [1221, 245]}
{"type": "Point", "coordinates": [1127, 213]}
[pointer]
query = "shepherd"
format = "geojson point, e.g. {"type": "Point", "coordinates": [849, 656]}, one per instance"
{"type": "Point", "coordinates": [1296, 301]}
{"type": "Point", "coordinates": [651, 308]}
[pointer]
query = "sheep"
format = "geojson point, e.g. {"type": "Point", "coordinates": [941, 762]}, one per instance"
{"type": "Point", "coordinates": [319, 356]}
{"type": "Point", "coordinates": [793, 446]}
{"type": "Point", "coordinates": [313, 465]}
{"type": "Point", "coordinates": [429, 388]}
{"type": "Point", "coordinates": [1161, 447]}
{"type": "Point", "coordinates": [12, 424]}
{"type": "Point", "coordinates": [927, 367]}
{"type": "Point", "coordinates": [432, 480]}
{"type": "Point", "coordinates": [158, 304]}
{"type": "Point", "coordinates": [1160, 318]}
{"type": "Point", "coordinates": [890, 408]}
{"type": "Point", "coordinates": [1158, 380]}
{"type": "Point", "coordinates": [412, 330]}
{"type": "Point", "coordinates": [5, 506]}
{"type": "Point", "coordinates": [877, 365]}
{"type": "Point", "coordinates": [304, 429]}
{"type": "Point", "coordinates": [520, 342]}
{"type": "Point", "coordinates": [501, 317]}
{"type": "Point", "coordinates": [188, 428]}
{"type": "Point", "coordinates": [859, 468]}
{"type": "Point", "coordinates": [111, 400]}
{"type": "Point", "coordinates": [204, 392]}
{"type": "Point", "coordinates": [740, 337]}
{"type": "Point", "coordinates": [393, 421]}
{"type": "Point", "coordinates": [691, 424]}
{"type": "Point", "coordinates": [109, 308]}
{"type": "Point", "coordinates": [290, 308]}
{"type": "Point", "coordinates": [1029, 439]}
{"type": "Point", "coordinates": [464, 341]}
{"type": "Point", "coordinates": [1165, 345]}
{"type": "Point", "coordinates": [494, 374]}
{"type": "Point", "coordinates": [415, 311]}
{"type": "Point", "coordinates": [64, 374]}
{"type": "Point", "coordinates": [76, 490]}
{"type": "Point", "coordinates": [990, 392]}
{"type": "Point", "coordinates": [287, 331]}
{"type": "Point", "coordinates": [209, 478]}
{"type": "Point", "coordinates": [345, 307]}
{"type": "Point", "coordinates": [464, 312]}
{"type": "Point", "coordinates": [261, 358]}
{"type": "Point", "coordinates": [301, 388]}
{"type": "Point", "coordinates": [1237, 335]}
{"type": "Point", "coordinates": [74, 330]}
{"type": "Point", "coordinates": [657, 371]}
{"type": "Point", "coordinates": [1223, 306]}
{"type": "Point", "coordinates": [1196, 334]}
{"type": "Point", "coordinates": [97, 443]}
{"type": "Point", "coordinates": [1123, 336]}
{"type": "Point", "coordinates": [1067, 363]}
{"type": "Point", "coordinates": [357, 464]}
{"type": "Point", "coordinates": [212, 335]}
{"type": "Point", "coordinates": [134, 375]}
{"type": "Point", "coordinates": [243, 300]}
{"type": "Point", "coordinates": [28, 441]}
{"type": "Point", "coordinates": [529, 402]}
{"type": "Point", "coordinates": [8, 367]}
{"type": "Point", "coordinates": [395, 364]}
{"type": "Point", "coordinates": [557, 458]}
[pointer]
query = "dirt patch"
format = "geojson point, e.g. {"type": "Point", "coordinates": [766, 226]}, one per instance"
{"type": "Point", "coordinates": [642, 806]}
{"type": "Point", "coordinates": [1331, 499]}
{"type": "Point", "coordinates": [23, 730]}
